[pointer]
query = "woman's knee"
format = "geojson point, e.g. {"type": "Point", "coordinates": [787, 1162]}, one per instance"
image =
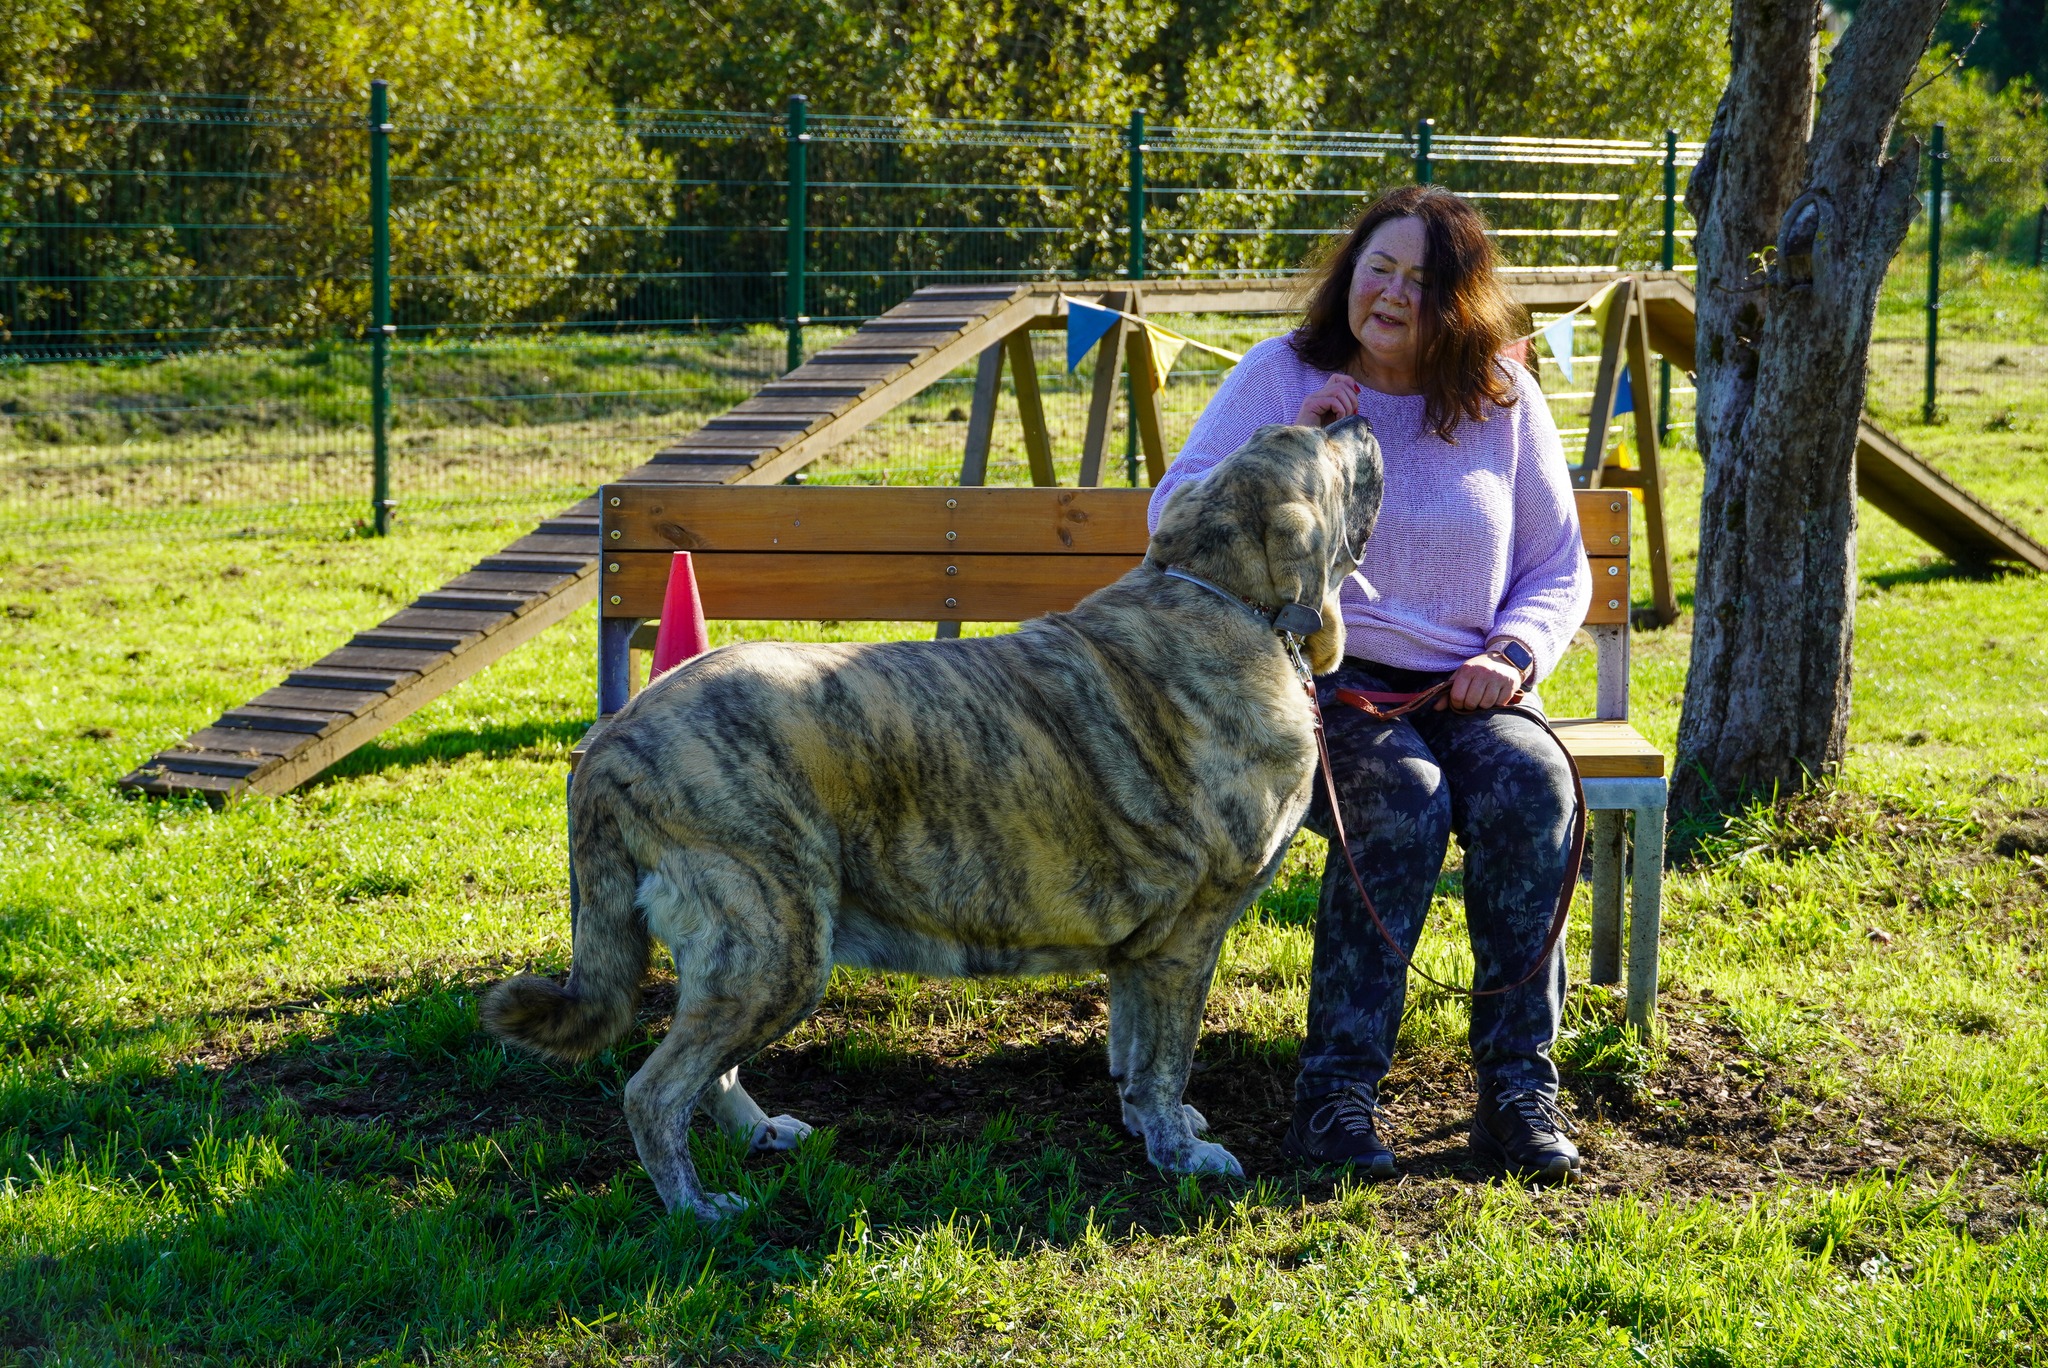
{"type": "Point", "coordinates": [1404, 801]}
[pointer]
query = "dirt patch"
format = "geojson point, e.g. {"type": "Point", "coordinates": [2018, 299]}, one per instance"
{"type": "Point", "coordinates": [1028, 1072]}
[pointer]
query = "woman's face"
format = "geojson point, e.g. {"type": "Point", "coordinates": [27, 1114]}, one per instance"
{"type": "Point", "coordinates": [1386, 294]}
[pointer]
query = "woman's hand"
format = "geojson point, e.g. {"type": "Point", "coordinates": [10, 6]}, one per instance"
{"type": "Point", "coordinates": [1338, 398]}
{"type": "Point", "coordinates": [1484, 681]}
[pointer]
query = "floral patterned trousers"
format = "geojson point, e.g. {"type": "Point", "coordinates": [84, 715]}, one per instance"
{"type": "Point", "coordinates": [1501, 785]}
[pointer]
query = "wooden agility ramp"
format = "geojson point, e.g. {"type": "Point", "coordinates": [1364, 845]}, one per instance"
{"type": "Point", "coordinates": [288, 734]}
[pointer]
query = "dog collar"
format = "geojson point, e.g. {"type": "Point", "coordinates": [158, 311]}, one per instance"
{"type": "Point", "coordinates": [1290, 619]}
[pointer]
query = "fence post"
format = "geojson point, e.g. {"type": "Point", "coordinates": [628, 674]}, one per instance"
{"type": "Point", "coordinates": [1670, 260]}
{"type": "Point", "coordinates": [1936, 157]}
{"type": "Point", "coordinates": [1135, 270]}
{"type": "Point", "coordinates": [2040, 232]}
{"type": "Point", "coordinates": [380, 307]}
{"type": "Point", "coordinates": [799, 195]}
{"type": "Point", "coordinates": [1425, 133]}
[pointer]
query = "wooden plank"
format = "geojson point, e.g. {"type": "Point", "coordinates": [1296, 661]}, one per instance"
{"type": "Point", "coordinates": [451, 619]}
{"type": "Point", "coordinates": [1609, 749]}
{"type": "Point", "coordinates": [787, 405]}
{"type": "Point", "coordinates": [809, 389]}
{"type": "Point", "coordinates": [921, 335]}
{"type": "Point", "coordinates": [885, 588]}
{"type": "Point", "coordinates": [246, 740]}
{"type": "Point", "coordinates": [511, 583]}
{"type": "Point", "coordinates": [1030, 408]}
{"type": "Point", "coordinates": [463, 602]}
{"type": "Point", "coordinates": [400, 660]}
{"type": "Point", "coordinates": [411, 640]}
{"type": "Point", "coordinates": [1102, 398]}
{"type": "Point", "coordinates": [219, 763]}
{"type": "Point", "coordinates": [1610, 590]}
{"type": "Point", "coordinates": [1603, 521]}
{"type": "Point", "coordinates": [766, 424]}
{"type": "Point", "coordinates": [541, 544]}
{"type": "Point", "coordinates": [829, 518]}
{"type": "Point", "coordinates": [337, 677]}
{"type": "Point", "coordinates": [690, 471]}
{"type": "Point", "coordinates": [517, 563]}
{"type": "Point", "coordinates": [306, 698]}
{"type": "Point", "coordinates": [159, 781]}
{"type": "Point", "coordinates": [284, 719]}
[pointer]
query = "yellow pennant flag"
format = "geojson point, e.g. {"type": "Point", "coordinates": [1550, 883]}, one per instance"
{"type": "Point", "coordinates": [1166, 349]}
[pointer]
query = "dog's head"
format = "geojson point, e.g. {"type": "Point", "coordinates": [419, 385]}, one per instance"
{"type": "Point", "coordinates": [1283, 519]}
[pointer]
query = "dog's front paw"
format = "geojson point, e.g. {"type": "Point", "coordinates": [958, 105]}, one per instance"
{"type": "Point", "coordinates": [1197, 1122]}
{"type": "Point", "coordinates": [1204, 1157]}
{"type": "Point", "coordinates": [778, 1133]}
{"type": "Point", "coordinates": [714, 1207]}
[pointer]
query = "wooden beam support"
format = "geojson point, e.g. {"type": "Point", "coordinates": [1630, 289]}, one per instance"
{"type": "Point", "coordinates": [1145, 399]}
{"type": "Point", "coordinates": [1601, 416]}
{"type": "Point", "coordinates": [1102, 399]}
{"type": "Point", "coordinates": [1664, 602]}
{"type": "Point", "coordinates": [1031, 408]}
{"type": "Point", "coordinates": [981, 417]}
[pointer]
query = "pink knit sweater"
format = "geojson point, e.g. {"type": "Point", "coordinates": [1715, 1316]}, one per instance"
{"type": "Point", "coordinates": [1475, 539]}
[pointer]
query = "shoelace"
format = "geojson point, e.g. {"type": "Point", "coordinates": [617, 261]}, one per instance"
{"type": "Point", "coordinates": [1537, 1109]}
{"type": "Point", "coordinates": [1354, 1109]}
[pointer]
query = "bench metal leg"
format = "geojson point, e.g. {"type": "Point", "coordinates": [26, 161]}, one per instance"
{"type": "Point", "coordinates": [1609, 832]}
{"type": "Point", "coordinates": [614, 663]}
{"type": "Point", "coordinates": [1646, 913]}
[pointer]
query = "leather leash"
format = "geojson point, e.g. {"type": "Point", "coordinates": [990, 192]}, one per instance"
{"type": "Point", "coordinates": [1390, 707]}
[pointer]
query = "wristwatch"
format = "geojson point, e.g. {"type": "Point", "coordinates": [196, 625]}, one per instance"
{"type": "Point", "coordinates": [1517, 655]}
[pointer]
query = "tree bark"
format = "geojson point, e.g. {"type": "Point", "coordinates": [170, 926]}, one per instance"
{"type": "Point", "coordinates": [1799, 212]}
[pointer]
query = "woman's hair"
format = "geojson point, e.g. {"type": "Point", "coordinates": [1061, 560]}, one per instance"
{"type": "Point", "coordinates": [1465, 321]}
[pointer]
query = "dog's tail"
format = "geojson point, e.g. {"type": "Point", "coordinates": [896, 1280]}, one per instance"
{"type": "Point", "coordinates": [573, 1021]}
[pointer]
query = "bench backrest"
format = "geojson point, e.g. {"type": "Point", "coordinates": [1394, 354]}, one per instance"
{"type": "Point", "coordinates": [964, 554]}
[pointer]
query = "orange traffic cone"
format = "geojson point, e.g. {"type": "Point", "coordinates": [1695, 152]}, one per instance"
{"type": "Point", "coordinates": [681, 633]}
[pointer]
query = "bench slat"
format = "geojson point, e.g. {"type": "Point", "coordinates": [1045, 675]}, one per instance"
{"type": "Point", "coordinates": [779, 518]}
{"type": "Point", "coordinates": [879, 588]}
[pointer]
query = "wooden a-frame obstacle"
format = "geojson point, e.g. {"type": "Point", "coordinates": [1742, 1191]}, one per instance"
{"type": "Point", "coordinates": [290, 733]}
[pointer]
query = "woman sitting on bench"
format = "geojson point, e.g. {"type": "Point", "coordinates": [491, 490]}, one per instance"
{"type": "Point", "coordinates": [1475, 575]}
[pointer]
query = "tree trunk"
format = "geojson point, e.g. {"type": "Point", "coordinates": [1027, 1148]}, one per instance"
{"type": "Point", "coordinates": [1799, 213]}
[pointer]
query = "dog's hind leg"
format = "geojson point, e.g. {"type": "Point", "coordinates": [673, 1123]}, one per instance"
{"type": "Point", "coordinates": [1155, 1012]}
{"type": "Point", "coordinates": [752, 960]}
{"type": "Point", "coordinates": [735, 1113]}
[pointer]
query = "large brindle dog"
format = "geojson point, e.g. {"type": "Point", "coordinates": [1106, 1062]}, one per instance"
{"type": "Point", "coordinates": [1102, 790]}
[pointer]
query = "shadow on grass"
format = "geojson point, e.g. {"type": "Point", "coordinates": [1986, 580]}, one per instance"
{"type": "Point", "coordinates": [351, 1175]}
{"type": "Point", "coordinates": [496, 741]}
{"type": "Point", "coordinates": [1937, 572]}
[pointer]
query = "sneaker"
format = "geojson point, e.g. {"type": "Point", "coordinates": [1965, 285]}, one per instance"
{"type": "Point", "coordinates": [1522, 1132]}
{"type": "Point", "coordinates": [1340, 1128]}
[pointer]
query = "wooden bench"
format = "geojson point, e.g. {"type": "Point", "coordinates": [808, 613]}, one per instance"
{"type": "Point", "coordinates": [972, 554]}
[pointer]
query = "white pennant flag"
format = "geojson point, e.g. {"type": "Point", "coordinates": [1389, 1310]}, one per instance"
{"type": "Point", "coordinates": [1559, 336]}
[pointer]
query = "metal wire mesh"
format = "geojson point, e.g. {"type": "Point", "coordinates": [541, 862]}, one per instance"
{"type": "Point", "coordinates": [185, 287]}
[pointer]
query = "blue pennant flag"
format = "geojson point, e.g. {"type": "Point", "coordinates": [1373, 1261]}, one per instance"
{"type": "Point", "coordinates": [1085, 326]}
{"type": "Point", "coordinates": [1624, 395]}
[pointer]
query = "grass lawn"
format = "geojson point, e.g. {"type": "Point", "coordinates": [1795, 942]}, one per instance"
{"type": "Point", "coordinates": [249, 1116]}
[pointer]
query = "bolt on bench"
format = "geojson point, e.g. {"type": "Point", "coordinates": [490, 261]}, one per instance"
{"type": "Point", "coordinates": [974, 554]}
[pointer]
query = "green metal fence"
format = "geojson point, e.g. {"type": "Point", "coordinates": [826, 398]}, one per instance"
{"type": "Point", "coordinates": [281, 314]}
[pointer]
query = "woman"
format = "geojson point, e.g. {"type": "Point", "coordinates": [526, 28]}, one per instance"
{"type": "Point", "coordinates": [1474, 574]}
